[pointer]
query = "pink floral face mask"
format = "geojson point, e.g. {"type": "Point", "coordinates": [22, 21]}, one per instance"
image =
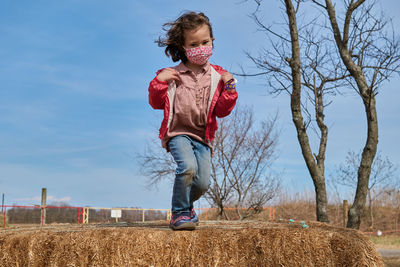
{"type": "Point", "coordinates": [199, 55]}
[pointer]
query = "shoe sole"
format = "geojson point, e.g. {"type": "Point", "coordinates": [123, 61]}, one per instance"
{"type": "Point", "coordinates": [184, 226]}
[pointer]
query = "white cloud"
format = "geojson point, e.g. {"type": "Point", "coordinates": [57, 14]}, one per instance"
{"type": "Point", "coordinates": [37, 199]}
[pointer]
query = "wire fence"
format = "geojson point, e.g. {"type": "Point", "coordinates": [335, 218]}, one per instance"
{"type": "Point", "coordinates": [15, 215]}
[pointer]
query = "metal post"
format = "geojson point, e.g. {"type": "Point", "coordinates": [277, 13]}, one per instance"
{"type": "Point", "coordinates": [2, 204]}
{"type": "Point", "coordinates": [43, 206]}
{"type": "Point", "coordinates": [4, 218]}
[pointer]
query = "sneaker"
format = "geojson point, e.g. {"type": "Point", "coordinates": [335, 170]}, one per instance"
{"type": "Point", "coordinates": [193, 217]}
{"type": "Point", "coordinates": [181, 222]}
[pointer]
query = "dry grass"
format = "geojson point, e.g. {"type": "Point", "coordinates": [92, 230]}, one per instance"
{"type": "Point", "coordinates": [212, 244]}
{"type": "Point", "coordinates": [301, 206]}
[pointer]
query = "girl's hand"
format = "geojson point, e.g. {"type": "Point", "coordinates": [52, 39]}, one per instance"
{"type": "Point", "coordinates": [226, 76]}
{"type": "Point", "coordinates": [167, 75]}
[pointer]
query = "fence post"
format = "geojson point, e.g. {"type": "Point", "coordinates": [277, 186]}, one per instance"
{"type": "Point", "coordinates": [78, 215]}
{"type": "Point", "coordinates": [345, 212]}
{"type": "Point", "coordinates": [143, 215]}
{"type": "Point", "coordinates": [4, 217]}
{"type": "Point", "coordinates": [169, 215]}
{"type": "Point", "coordinates": [43, 206]}
{"type": "Point", "coordinates": [2, 203]}
{"type": "Point", "coordinates": [85, 216]}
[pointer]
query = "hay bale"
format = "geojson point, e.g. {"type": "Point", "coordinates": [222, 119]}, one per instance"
{"type": "Point", "coordinates": [216, 244]}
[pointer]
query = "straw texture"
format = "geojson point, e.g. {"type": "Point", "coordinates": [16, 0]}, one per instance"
{"type": "Point", "coordinates": [212, 244]}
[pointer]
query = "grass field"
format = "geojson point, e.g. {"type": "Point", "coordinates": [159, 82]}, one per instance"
{"type": "Point", "coordinates": [387, 241]}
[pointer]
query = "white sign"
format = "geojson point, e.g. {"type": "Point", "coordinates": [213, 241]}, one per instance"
{"type": "Point", "coordinates": [115, 213]}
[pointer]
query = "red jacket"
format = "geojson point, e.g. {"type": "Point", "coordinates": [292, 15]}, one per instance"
{"type": "Point", "coordinates": [162, 94]}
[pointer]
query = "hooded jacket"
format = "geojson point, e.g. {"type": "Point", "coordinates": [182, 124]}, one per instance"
{"type": "Point", "coordinates": [220, 103]}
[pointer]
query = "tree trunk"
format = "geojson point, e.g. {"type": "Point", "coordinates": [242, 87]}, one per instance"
{"type": "Point", "coordinates": [368, 98]}
{"type": "Point", "coordinates": [315, 171]}
{"type": "Point", "coordinates": [221, 212]}
{"type": "Point", "coordinates": [364, 170]}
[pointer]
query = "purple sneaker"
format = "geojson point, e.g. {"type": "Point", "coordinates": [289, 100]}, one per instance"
{"type": "Point", "coordinates": [193, 216]}
{"type": "Point", "coordinates": [181, 222]}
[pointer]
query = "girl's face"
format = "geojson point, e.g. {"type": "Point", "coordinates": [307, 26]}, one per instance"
{"type": "Point", "coordinates": [198, 37]}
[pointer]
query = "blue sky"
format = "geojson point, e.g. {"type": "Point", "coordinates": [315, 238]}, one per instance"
{"type": "Point", "coordinates": [73, 97]}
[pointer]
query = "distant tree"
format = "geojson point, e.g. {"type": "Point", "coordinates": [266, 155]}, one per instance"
{"type": "Point", "coordinates": [383, 176]}
{"type": "Point", "coordinates": [391, 198]}
{"type": "Point", "coordinates": [24, 215]}
{"type": "Point", "coordinates": [59, 204]}
{"type": "Point", "coordinates": [241, 164]}
{"type": "Point", "coordinates": [155, 163]}
{"type": "Point", "coordinates": [243, 154]}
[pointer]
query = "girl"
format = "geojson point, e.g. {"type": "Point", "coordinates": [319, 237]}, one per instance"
{"type": "Point", "coordinates": [192, 94]}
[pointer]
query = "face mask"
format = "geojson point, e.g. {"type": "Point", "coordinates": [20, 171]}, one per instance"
{"type": "Point", "coordinates": [199, 55]}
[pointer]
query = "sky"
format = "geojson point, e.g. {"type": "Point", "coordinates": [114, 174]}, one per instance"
{"type": "Point", "coordinates": [74, 106]}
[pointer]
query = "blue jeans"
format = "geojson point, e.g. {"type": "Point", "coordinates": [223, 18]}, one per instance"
{"type": "Point", "coordinates": [192, 179]}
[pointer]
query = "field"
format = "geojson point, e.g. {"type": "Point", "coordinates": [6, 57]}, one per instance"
{"type": "Point", "coordinates": [389, 246]}
{"type": "Point", "coordinates": [214, 243]}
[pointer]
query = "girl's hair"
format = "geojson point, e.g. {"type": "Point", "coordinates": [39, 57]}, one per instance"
{"type": "Point", "coordinates": [175, 38]}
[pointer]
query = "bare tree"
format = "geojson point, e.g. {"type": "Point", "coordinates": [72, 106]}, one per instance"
{"type": "Point", "coordinates": [240, 167]}
{"type": "Point", "coordinates": [382, 179]}
{"type": "Point", "coordinates": [362, 55]}
{"type": "Point", "coordinates": [221, 190]}
{"type": "Point", "coordinates": [155, 163]}
{"type": "Point", "coordinates": [391, 198]}
{"type": "Point", "coordinates": [303, 57]}
{"type": "Point", "coordinates": [243, 155]}
{"type": "Point", "coordinates": [370, 55]}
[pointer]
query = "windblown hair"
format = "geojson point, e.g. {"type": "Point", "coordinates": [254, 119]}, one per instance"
{"type": "Point", "coordinates": [175, 38]}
